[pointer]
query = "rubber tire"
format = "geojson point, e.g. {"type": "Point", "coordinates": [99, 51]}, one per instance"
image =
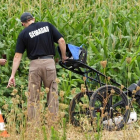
{"type": "Point", "coordinates": [73, 103]}
{"type": "Point", "coordinates": [95, 96]}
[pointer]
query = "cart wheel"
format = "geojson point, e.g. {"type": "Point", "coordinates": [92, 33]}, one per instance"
{"type": "Point", "coordinates": [79, 113]}
{"type": "Point", "coordinates": [109, 106]}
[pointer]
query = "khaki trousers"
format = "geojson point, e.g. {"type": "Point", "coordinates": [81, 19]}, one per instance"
{"type": "Point", "coordinates": [42, 71]}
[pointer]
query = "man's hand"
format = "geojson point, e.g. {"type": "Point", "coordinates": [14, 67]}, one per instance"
{"type": "Point", "coordinates": [64, 58]}
{"type": "Point", "coordinates": [11, 82]}
{"type": "Point", "coordinates": [3, 61]}
{"type": "Point", "coordinates": [16, 62]}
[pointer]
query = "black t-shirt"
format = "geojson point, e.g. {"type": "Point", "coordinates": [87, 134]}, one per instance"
{"type": "Point", "coordinates": [38, 39]}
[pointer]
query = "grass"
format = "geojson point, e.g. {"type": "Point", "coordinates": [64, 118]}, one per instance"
{"type": "Point", "coordinates": [19, 128]}
{"type": "Point", "coordinates": [74, 133]}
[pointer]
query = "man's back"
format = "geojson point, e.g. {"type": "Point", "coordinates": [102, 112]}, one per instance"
{"type": "Point", "coordinates": [38, 38]}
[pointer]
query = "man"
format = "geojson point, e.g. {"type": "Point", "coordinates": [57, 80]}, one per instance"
{"type": "Point", "coordinates": [2, 62]}
{"type": "Point", "coordinates": [38, 40]}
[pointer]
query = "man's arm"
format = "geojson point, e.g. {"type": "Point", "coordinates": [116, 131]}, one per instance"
{"type": "Point", "coordinates": [16, 62]}
{"type": "Point", "coordinates": [62, 46]}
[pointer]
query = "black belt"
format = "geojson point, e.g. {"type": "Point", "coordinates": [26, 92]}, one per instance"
{"type": "Point", "coordinates": [44, 57]}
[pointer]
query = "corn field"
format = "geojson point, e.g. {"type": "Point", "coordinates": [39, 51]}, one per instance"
{"type": "Point", "coordinates": [109, 30]}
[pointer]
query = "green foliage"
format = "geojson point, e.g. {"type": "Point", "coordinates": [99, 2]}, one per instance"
{"type": "Point", "coordinates": [68, 81]}
{"type": "Point", "coordinates": [44, 132]}
{"type": "Point", "coordinates": [109, 29]}
{"type": "Point", "coordinates": [64, 129]}
{"type": "Point", "coordinates": [54, 134]}
{"type": "Point", "coordinates": [98, 135]}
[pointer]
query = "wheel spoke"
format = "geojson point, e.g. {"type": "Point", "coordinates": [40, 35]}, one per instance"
{"type": "Point", "coordinates": [120, 103]}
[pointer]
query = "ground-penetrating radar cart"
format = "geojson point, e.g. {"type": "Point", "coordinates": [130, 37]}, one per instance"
{"type": "Point", "coordinates": [110, 104]}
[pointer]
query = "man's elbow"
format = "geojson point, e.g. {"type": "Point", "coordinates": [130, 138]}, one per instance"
{"type": "Point", "coordinates": [61, 41]}
{"type": "Point", "coordinates": [17, 57]}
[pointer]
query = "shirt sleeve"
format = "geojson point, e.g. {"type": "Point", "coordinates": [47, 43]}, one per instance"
{"type": "Point", "coordinates": [20, 47]}
{"type": "Point", "coordinates": [56, 34]}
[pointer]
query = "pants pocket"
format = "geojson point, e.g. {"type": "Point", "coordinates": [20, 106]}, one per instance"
{"type": "Point", "coordinates": [51, 74]}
